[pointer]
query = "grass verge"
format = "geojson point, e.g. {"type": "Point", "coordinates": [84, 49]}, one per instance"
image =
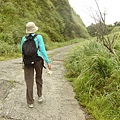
{"type": "Point", "coordinates": [95, 76]}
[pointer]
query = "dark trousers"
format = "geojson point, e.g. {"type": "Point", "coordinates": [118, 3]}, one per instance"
{"type": "Point", "coordinates": [29, 78]}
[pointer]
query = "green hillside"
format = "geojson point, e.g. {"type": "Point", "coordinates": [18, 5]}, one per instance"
{"type": "Point", "coordinates": [55, 18]}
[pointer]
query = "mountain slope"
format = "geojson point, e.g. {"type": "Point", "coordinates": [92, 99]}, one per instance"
{"type": "Point", "coordinates": [56, 20]}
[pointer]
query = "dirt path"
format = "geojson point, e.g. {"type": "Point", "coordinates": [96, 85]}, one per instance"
{"type": "Point", "coordinates": [59, 101]}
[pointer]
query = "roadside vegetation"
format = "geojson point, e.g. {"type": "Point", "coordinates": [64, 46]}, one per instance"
{"type": "Point", "coordinates": [11, 52]}
{"type": "Point", "coordinates": [94, 73]}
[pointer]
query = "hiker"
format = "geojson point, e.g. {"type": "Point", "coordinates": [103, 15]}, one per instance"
{"type": "Point", "coordinates": [33, 65]}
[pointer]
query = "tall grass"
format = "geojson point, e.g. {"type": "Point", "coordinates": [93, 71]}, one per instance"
{"type": "Point", "coordinates": [95, 76]}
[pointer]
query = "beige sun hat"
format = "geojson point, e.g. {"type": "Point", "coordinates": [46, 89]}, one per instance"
{"type": "Point", "coordinates": [31, 27]}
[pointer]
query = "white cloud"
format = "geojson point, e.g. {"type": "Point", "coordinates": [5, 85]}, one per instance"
{"type": "Point", "coordinates": [112, 8]}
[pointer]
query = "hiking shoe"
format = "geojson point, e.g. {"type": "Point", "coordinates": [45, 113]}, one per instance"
{"type": "Point", "coordinates": [30, 105]}
{"type": "Point", "coordinates": [40, 99]}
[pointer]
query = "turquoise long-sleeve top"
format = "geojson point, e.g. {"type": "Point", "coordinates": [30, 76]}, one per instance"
{"type": "Point", "coordinates": [39, 44]}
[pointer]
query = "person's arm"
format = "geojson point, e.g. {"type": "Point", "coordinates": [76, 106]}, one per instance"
{"type": "Point", "coordinates": [43, 50]}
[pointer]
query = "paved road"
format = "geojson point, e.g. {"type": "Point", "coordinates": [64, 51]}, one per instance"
{"type": "Point", "coordinates": [59, 101]}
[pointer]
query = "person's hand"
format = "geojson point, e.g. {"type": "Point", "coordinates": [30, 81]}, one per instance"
{"type": "Point", "coordinates": [49, 66]}
{"type": "Point", "coordinates": [49, 72]}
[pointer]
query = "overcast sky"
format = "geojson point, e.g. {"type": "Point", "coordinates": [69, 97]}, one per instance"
{"type": "Point", "coordinates": [111, 7]}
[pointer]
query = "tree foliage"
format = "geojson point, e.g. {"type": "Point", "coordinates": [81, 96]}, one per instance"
{"type": "Point", "coordinates": [92, 29]}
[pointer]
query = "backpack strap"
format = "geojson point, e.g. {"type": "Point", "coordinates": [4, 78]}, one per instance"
{"type": "Point", "coordinates": [30, 35]}
{"type": "Point", "coordinates": [34, 35]}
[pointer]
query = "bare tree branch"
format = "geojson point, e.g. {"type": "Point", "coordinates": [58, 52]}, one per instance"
{"type": "Point", "coordinates": [101, 28]}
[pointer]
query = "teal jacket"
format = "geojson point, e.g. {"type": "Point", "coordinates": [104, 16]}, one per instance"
{"type": "Point", "coordinates": [39, 42]}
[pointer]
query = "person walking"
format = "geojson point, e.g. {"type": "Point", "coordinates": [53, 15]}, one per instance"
{"type": "Point", "coordinates": [36, 66]}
